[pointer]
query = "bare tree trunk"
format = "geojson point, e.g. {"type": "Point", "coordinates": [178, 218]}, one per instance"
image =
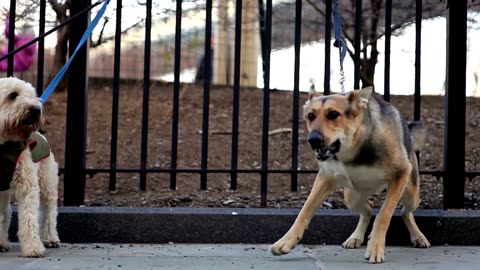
{"type": "Point", "coordinates": [250, 49]}
{"type": "Point", "coordinates": [368, 64]}
{"type": "Point", "coordinates": [61, 49]}
{"type": "Point", "coordinates": [370, 37]}
{"type": "Point", "coordinates": [220, 51]}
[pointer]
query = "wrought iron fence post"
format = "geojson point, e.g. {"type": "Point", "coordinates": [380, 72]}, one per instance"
{"type": "Point", "coordinates": [328, 39]}
{"type": "Point", "coordinates": [74, 176]}
{"type": "Point", "coordinates": [454, 151]}
{"type": "Point", "coordinates": [357, 45]}
{"type": "Point", "coordinates": [11, 36]}
{"type": "Point", "coordinates": [41, 47]}
{"type": "Point", "coordinates": [261, 22]}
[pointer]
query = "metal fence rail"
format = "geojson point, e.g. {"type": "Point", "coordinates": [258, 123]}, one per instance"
{"type": "Point", "coordinates": [75, 170]}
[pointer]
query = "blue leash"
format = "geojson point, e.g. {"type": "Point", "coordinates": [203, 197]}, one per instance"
{"type": "Point", "coordinates": [56, 80]}
{"type": "Point", "coordinates": [339, 42]}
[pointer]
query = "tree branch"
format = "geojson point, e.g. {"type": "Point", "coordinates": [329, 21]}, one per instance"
{"type": "Point", "coordinates": [58, 7]}
{"type": "Point", "coordinates": [100, 36]}
{"type": "Point", "coordinates": [102, 40]}
{"type": "Point", "coordinates": [315, 7]}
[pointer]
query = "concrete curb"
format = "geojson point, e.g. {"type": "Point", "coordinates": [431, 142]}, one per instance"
{"type": "Point", "coordinates": [246, 225]}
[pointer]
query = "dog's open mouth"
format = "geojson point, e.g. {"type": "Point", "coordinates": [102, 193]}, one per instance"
{"type": "Point", "coordinates": [328, 152]}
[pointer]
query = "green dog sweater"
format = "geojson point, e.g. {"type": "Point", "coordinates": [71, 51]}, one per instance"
{"type": "Point", "coordinates": [10, 155]}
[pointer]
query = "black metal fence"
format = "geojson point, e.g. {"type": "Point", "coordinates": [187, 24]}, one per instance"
{"type": "Point", "coordinates": [75, 170]}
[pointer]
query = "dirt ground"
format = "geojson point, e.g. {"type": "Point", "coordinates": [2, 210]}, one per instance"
{"type": "Point", "coordinates": [218, 193]}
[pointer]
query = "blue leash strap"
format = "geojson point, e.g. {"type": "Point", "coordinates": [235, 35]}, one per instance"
{"type": "Point", "coordinates": [339, 42]}
{"type": "Point", "coordinates": [56, 80]}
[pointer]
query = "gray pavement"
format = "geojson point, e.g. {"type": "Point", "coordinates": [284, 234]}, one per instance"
{"type": "Point", "coordinates": [214, 256]}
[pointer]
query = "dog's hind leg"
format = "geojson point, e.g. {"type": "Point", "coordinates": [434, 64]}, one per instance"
{"type": "Point", "coordinates": [5, 217]}
{"type": "Point", "coordinates": [416, 236]}
{"type": "Point", "coordinates": [411, 200]}
{"type": "Point", "coordinates": [320, 190]}
{"type": "Point", "coordinates": [357, 202]}
{"type": "Point", "coordinates": [48, 201]}
{"type": "Point", "coordinates": [26, 190]}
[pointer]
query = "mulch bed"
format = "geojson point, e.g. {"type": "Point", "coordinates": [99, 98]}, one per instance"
{"type": "Point", "coordinates": [218, 193]}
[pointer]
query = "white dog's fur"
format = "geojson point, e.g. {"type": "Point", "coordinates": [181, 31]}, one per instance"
{"type": "Point", "coordinates": [34, 185]}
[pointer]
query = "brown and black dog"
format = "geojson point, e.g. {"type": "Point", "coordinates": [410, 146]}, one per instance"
{"type": "Point", "coordinates": [364, 145]}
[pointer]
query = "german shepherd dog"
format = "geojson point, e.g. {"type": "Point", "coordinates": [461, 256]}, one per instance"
{"type": "Point", "coordinates": [363, 145]}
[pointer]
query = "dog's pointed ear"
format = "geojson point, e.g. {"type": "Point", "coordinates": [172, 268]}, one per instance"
{"type": "Point", "coordinates": [364, 96]}
{"type": "Point", "coordinates": [361, 97]}
{"type": "Point", "coordinates": [312, 93]}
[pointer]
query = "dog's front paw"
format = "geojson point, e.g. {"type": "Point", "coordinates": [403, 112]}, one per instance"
{"type": "Point", "coordinates": [375, 252]}
{"type": "Point", "coordinates": [4, 247]}
{"type": "Point", "coordinates": [352, 242]}
{"type": "Point", "coordinates": [38, 252]}
{"type": "Point", "coordinates": [421, 242]}
{"type": "Point", "coordinates": [51, 244]}
{"type": "Point", "coordinates": [285, 244]}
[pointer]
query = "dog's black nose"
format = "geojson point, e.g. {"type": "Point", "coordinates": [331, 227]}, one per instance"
{"type": "Point", "coordinates": [35, 112]}
{"type": "Point", "coordinates": [315, 139]}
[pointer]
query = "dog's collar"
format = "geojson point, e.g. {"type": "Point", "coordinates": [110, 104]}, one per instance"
{"type": "Point", "coordinates": [11, 151]}
{"type": "Point", "coordinates": [36, 141]}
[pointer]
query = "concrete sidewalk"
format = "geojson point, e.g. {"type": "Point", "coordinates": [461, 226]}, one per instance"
{"type": "Point", "coordinates": [223, 257]}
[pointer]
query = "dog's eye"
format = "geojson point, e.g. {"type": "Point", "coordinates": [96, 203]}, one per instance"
{"type": "Point", "coordinates": [12, 96]}
{"type": "Point", "coordinates": [311, 116]}
{"type": "Point", "coordinates": [332, 115]}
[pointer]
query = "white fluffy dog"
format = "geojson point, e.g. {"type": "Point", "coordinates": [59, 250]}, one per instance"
{"type": "Point", "coordinates": [28, 170]}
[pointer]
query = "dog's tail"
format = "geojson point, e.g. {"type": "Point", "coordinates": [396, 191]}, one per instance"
{"type": "Point", "coordinates": [418, 133]}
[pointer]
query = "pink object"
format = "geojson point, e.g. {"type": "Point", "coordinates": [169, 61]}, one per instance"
{"type": "Point", "coordinates": [24, 58]}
